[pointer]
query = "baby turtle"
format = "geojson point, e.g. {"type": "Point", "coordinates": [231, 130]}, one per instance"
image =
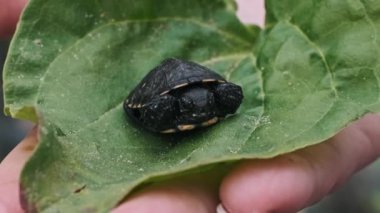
{"type": "Point", "coordinates": [180, 95]}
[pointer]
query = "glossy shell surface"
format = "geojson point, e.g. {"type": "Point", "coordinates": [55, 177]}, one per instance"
{"type": "Point", "coordinates": [180, 95]}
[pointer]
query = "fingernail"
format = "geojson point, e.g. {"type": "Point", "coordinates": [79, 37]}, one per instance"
{"type": "Point", "coordinates": [220, 209]}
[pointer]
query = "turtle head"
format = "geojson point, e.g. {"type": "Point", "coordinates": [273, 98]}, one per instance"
{"type": "Point", "coordinates": [196, 105]}
{"type": "Point", "coordinates": [228, 98]}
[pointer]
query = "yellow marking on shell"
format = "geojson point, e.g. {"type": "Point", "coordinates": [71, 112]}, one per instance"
{"type": "Point", "coordinates": [186, 127]}
{"type": "Point", "coordinates": [208, 80]}
{"type": "Point", "coordinates": [165, 92]}
{"type": "Point", "coordinates": [169, 131]}
{"type": "Point", "coordinates": [210, 122]}
{"type": "Point", "coordinates": [135, 106]}
{"type": "Point", "coordinates": [221, 81]}
{"type": "Point", "coordinates": [180, 85]}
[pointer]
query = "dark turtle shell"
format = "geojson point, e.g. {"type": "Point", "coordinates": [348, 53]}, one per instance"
{"type": "Point", "coordinates": [179, 95]}
{"type": "Point", "coordinates": [171, 74]}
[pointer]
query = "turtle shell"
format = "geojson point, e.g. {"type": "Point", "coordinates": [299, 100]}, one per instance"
{"type": "Point", "coordinates": [171, 74]}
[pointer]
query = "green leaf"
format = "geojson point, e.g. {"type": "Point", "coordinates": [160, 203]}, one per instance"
{"type": "Point", "coordinates": [49, 28]}
{"type": "Point", "coordinates": [317, 70]}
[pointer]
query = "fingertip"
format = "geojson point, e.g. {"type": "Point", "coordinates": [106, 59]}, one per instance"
{"type": "Point", "coordinates": [31, 139]}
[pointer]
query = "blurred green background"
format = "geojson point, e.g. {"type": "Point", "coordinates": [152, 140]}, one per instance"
{"type": "Point", "coordinates": [360, 195]}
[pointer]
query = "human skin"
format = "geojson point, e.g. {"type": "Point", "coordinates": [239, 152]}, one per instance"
{"type": "Point", "coordinates": [9, 14]}
{"type": "Point", "coordinates": [286, 183]}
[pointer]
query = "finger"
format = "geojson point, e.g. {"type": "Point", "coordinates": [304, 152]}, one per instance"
{"type": "Point", "coordinates": [245, 8]}
{"type": "Point", "coordinates": [10, 169]}
{"type": "Point", "coordinates": [9, 14]}
{"type": "Point", "coordinates": [294, 181]}
{"type": "Point", "coordinates": [177, 197]}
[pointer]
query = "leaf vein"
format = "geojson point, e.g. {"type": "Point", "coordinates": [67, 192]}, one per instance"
{"type": "Point", "coordinates": [321, 54]}
{"type": "Point", "coordinates": [217, 59]}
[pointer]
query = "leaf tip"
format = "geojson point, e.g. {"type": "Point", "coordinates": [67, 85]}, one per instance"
{"type": "Point", "coordinates": [7, 111]}
{"type": "Point", "coordinates": [24, 113]}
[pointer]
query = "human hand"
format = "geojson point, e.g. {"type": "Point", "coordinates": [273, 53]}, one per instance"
{"type": "Point", "coordinates": [10, 170]}
{"type": "Point", "coordinates": [284, 184]}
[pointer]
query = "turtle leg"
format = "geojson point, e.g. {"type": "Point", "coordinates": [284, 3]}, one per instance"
{"type": "Point", "coordinates": [228, 98]}
{"type": "Point", "coordinates": [159, 114]}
